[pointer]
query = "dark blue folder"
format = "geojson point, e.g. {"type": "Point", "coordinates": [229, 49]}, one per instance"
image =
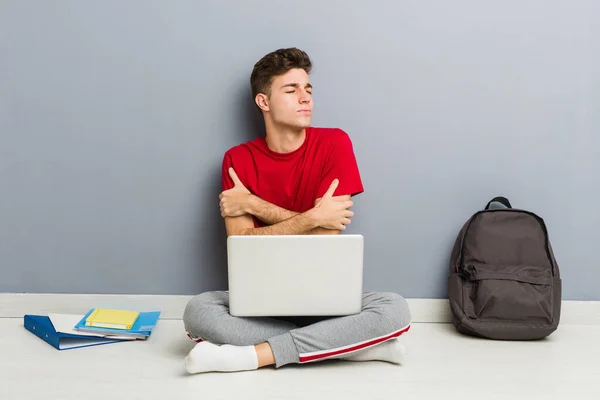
{"type": "Point", "coordinates": [42, 327]}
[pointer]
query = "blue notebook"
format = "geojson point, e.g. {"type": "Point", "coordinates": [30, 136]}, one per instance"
{"type": "Point", "coordinates": [42, 327]}
{"type": "Point", "coordinates": [141, 329]}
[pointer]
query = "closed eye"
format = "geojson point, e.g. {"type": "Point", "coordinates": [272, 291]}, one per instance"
{"type": "Point", "coordinates": [293, 86]}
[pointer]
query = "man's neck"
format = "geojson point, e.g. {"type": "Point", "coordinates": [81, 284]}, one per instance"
{"type": "Point", "coordinates": [285, 140]}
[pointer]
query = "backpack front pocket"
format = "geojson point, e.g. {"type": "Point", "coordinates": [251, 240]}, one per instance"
{"type": "Point", "coordinates": [508, 293]}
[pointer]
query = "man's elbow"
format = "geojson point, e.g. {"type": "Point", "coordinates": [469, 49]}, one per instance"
{"type": "Point", "coordinates": [239, 231]}
{"type": "Point", "coordinates": [233, 227]}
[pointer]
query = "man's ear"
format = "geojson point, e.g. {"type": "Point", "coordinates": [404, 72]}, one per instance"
{"type": "Point", "coordinates": [262, 101]}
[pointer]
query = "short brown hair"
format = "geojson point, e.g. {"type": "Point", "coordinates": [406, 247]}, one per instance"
{"type": "Point", "coordinates": [277, 63]}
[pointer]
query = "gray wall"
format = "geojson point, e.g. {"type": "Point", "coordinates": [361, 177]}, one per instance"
{"type": "Point", "coordinates": [114, 117]}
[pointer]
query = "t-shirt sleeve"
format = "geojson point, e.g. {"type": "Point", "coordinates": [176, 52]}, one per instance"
{"type": "Point", "coordinates": [226, 181]}
{"type": "Point", "coordinates": [342, 165]}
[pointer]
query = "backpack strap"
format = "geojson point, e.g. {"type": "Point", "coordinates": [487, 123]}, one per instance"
{"type": "Point", "coordinates": [502, 200]}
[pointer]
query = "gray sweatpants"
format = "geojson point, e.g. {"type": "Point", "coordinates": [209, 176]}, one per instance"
{"type": "Point", "coordinates": [384, 316]}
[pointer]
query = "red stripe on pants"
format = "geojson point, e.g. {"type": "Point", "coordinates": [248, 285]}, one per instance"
{"type": "Point", "coordinates": [304, 359]}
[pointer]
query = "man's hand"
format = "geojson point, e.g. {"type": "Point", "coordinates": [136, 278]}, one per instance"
{"type": "Point", "coordinates": [333, 212]}
{"type": "Point", "coordinates": [235, 202]}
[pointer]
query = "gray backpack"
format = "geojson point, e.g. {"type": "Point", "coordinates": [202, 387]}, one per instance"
{"type": "Point", "coordinates": [504, 281]}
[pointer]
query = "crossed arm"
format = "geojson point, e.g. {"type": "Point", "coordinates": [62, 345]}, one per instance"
{"type": "Point", "coordinates": [238, 206]}
{"type": "Point", "coordinates": [279, 221]}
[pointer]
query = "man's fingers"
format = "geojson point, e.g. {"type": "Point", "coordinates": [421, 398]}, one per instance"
{"type": "Point", "coordinates": [234, 177]}
{"type": "Point", "coordinates": [346, 221]}
{"type": "Point", "coordinates": [332, 188]}
{"type": "Point", "coordinates": [349, 214]}
{"type": "Point", "coordinates": [225, 193]}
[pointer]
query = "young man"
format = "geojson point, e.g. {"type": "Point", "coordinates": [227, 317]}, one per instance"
{"type": "Point", "coordinates": [296, 180]}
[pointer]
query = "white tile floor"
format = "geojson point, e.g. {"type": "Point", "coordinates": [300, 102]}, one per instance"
{"type": "Point", "coordinates": [440, 364]}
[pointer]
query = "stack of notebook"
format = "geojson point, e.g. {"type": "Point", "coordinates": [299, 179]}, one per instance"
{"type": "Point", "coordinates": [118, 322]}
{"type": "Point", "coordinates": [97, 326]}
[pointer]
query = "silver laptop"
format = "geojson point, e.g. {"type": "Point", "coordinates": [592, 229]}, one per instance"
{"type": "Point", "coordinates": [295, 275]}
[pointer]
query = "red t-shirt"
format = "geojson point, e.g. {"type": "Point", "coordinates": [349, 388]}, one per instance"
{"type": "Point", "coordinates": [295, 180]}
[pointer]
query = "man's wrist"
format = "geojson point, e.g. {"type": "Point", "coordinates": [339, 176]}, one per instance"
{"type": "Point", "coordinates": [312, 216]}
{"type": "Point", "coordinates": [250, 204]}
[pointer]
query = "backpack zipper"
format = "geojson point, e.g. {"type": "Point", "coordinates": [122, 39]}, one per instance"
{"type": "Point", "coordinates": [467, 272]}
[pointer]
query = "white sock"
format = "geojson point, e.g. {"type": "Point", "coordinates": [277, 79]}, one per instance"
{"type": "Point", "coordinates": [391, 351]}
{"type": "Point", "coordinates": [208, 357]}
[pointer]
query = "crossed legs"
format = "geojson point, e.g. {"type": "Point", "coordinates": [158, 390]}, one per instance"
{"type": "Point", "coordinates": [227, 343]}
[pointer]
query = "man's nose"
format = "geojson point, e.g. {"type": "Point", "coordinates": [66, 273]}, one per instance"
{"type": "Point", "coordinates": [304, 97]}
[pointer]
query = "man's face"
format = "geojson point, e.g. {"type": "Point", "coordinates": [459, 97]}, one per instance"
{"type": "Point", "coordinates": [290, 103]}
